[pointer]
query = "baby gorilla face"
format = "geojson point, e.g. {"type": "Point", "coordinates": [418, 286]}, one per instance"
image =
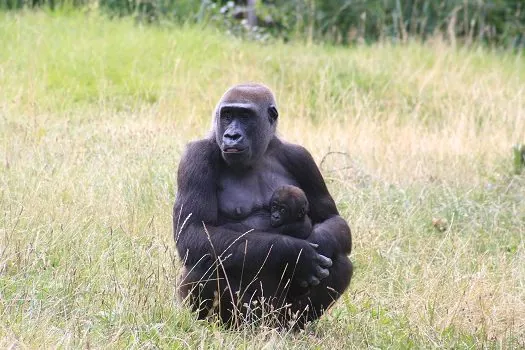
{"type": "Point", "coordinates": [280, 214]}
{"type": "Point", "coordinates": [287, 205]}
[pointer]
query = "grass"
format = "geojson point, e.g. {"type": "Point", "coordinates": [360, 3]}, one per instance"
{"type": "Point", "coordinates": [94, 115]}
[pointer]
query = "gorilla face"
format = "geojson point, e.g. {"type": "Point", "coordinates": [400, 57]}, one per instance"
{"type": "Point", "coordinates": [245, 122]}
{"type": "Point", "coordinates": [238, 127]}
{"type": "Point", "coordinates": [280, 214]}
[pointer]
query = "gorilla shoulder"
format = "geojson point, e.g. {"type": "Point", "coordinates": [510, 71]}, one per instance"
{"type": "Point", "coordinates": [198, 156]}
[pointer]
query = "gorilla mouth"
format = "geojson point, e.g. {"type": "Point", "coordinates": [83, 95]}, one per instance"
{"type": "Point", "coordinates": [233, 150]}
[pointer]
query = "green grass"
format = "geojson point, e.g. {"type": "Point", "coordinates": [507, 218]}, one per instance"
{"type": "Point", "coordinates": [94, 115]}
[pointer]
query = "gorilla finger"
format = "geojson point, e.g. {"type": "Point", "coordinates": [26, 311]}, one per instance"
{"type": "Point", "coordinates": [315, 245]}
{"type": "Point", "coordinates": [322, 273]}
{"type": "Point", "coordinates": [313, 281]}
{"type": "Point", "coordinates": [324, 261]}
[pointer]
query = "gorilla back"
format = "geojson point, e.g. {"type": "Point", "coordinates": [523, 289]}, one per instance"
{"type": "Point", "coordinates": [228, 179]}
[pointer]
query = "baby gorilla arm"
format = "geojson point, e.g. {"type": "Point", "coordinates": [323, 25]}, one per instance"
{"type": "Point", "coordinates": [300, 229]}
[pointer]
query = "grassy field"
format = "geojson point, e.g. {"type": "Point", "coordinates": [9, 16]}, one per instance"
{"type": "Point", "coordinates": [94, 115]}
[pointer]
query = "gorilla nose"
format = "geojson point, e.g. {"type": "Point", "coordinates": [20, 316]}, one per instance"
{"type": "Point", "coordinates": [233, 136]}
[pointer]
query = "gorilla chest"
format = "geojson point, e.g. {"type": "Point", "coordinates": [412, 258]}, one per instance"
{"type": "Point", "coordinates": [245, 197]}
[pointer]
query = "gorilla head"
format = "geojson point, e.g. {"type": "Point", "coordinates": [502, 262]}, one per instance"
{"type": "Point", "coordinates": [244, 123]}
{"type": "Point", "coordinates": [288, 205]}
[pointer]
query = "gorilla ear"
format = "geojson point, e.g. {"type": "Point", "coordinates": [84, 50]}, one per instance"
{"type": "Point", "coordinates": [272, 114]}
{"type": "Point", "coordinates": [302, 212]}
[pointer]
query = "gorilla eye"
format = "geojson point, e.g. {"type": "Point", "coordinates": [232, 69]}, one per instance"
{"type": "Point", "coordinates": [227, 117]}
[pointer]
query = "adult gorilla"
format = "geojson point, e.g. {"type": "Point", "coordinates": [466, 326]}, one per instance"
{"type": "Point", "coordinates": [226, 181]}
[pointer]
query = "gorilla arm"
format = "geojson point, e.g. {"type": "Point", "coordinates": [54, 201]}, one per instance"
{"type": "Point", "coordinates": [331, 232]}
{"type": "Point", "coordinates": [200, 240]}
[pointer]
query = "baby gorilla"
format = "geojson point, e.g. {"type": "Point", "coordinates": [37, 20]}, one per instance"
{"type": "Point", "coordinates": [288, 208]}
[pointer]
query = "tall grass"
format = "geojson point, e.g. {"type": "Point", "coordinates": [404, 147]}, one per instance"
{"type": "Point", "coordinates": [94, 115]}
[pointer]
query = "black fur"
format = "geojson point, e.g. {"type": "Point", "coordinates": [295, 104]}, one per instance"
{"type": "Point", "coordinates": [288, 212]}
{"type": "Point", "coordinates": [225, 183]}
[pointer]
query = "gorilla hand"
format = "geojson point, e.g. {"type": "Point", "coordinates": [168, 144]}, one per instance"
{"type": "Point", "coordinates": [311, 267]}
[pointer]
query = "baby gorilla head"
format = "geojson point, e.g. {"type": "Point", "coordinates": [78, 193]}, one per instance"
{"type": "Point", "coordinates": [287, 205]}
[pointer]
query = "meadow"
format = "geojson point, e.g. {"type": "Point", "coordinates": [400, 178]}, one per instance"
{"type": "Point", "coordinates": [415, 143]}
